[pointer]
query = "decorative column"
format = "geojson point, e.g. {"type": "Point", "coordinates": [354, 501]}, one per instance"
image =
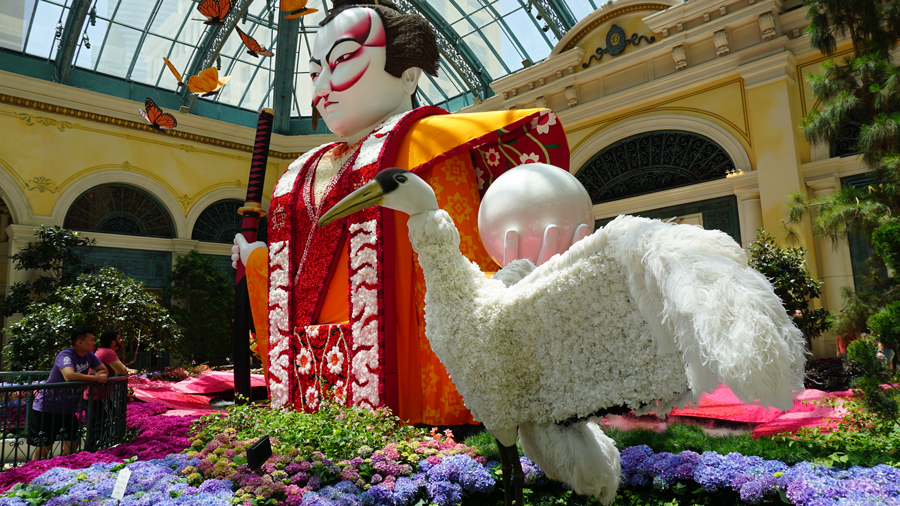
{"type": "Point", "coordinates": [4, 222]}
{"type": "Point", "coordinates": [750, 212]}
{"type": "Point", "coordinates": [774, 110]}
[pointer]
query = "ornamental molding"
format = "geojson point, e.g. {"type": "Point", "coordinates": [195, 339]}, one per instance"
{"type": "Point", "coordinates": [616, 42]}
{"type": "Point", "coordinates": [677, 196]}
{"type": "Point", "coordinates": [680, 57]}
{"type": "Point", "coordinates": [766, 22]}
{"type": "Point", "coordinates": [720, 38]}
{"type": "Point", "coordinates": [694, 11]}
{"type": "Point", "coordinates": [571, 93]}
{"type": "Point", "coordinates": [728, 142]}
{"type": "Point", "coordinates": [833, 167]}
{"type": "Point", "coordinates": [778, 67]}
{"type": "Point", "coordinates": [669, 85]}
{"type": "Point", "coordinates": [589, 24]}
{"type": "Point", "coordinates": [124, 123]}
{"type": "Point", "coordinates": [546, 73]}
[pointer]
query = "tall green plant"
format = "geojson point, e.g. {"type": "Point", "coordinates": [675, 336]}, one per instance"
{"type": "Point", "coordinates": [103, 301]}
{"type": "Point", "coordinates": [55, 254]}
{"type": "Point", "coordinates": [786, 269]}
{"type": "Point", "coordinates": [862, 87]}
{"type": "Point", "coordinates": [203, 307]}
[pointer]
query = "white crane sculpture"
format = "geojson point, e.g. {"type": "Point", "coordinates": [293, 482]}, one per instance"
{"type": "Point", "coordinates": [639, 315]}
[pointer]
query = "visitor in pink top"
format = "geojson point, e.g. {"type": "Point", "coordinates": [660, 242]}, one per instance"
{"type": "Point", "coordinates": [107, 408]}
{"type": "Point", "coordinates": [110, 344]}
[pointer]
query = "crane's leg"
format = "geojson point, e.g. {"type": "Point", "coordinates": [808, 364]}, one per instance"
{"type": "Point", "coordinates": [506, 470]}
{"type": "Point", "coordinates": [513, 476]}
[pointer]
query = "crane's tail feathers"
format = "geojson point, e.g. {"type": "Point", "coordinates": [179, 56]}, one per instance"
{"type": "Point", "coordinates": [579, 454]}
{"type": "Point", "coordinates": [514, 271]}
{"type": "Point", "coordinates": [698, 293]}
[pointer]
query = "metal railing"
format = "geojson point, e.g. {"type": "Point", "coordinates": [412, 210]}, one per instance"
{"type": "Point", "coordinates": [70, 416]}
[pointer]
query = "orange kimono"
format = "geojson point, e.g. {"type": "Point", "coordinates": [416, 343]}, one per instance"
{"type": "Point", "coordinates": [346, 304]}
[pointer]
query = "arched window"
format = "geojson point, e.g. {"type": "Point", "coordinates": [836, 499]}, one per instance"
{"type": "Point", "coordinates": [119, 209]}
{"type": "Point", "coordinates": [220, 222]}
{"type": "Point", "coordinates": [652, 162]}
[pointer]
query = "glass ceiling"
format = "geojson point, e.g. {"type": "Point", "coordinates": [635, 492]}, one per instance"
{"type": "Point", "coordinates": [127, 39]}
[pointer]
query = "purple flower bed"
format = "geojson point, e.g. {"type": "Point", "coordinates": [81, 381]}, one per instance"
{"type": "Point", "coordinates": [756, 479]}
{"type": "Point", "coordinates": [159, 436]}
{"type": "Point", "coordinates": [153, 482]}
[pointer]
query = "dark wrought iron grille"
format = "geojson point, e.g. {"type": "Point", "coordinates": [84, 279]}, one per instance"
{"type": "Point", "coordinates": [100, 409]}
{"type": "Point", "coordinates": [848, 137]}
{"type": "Point", "coordinates": [220, 222]}
{"type": "Point", "coordinates": [652, 162]}
{"type": "Point", "coordinates": [119, 209]}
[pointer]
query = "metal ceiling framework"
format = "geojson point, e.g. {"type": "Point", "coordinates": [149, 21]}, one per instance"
{"type": "Point", "coordinates": [463, 69]}
{"type": "Point", "coordinates": [208, 50]}
{"type": "Point", "coordinates": [66, 53]}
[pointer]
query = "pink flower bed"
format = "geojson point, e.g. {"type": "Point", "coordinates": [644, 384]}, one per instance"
{"type": "Point", "coordinates": [159, 436]}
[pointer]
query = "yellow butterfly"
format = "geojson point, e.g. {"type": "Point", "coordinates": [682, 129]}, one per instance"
{"type": "Point", "coordinates": [208, 82]}
{"type": "Point", "coordinates": [296, 8]}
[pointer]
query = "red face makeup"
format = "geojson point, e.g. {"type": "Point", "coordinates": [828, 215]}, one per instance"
{"type": "Point", "coordinates": [353, 92]}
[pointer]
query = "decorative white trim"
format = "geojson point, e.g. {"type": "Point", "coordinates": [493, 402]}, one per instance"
{"type": "Point", "coordinates": [680, 57]}
{"type": "Point", "coordinates": [279, 322]}
{"type": "Point", "coordinates": [778, 67]}
{"type": "Point", "coordinates": [83, 184]}
{"type": "Point", "coordinates": [663, 122]}
{"type": "Point", "coordinates": [364, 265]}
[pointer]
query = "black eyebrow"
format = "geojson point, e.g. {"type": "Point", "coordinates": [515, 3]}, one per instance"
{"type": "Point", "coordinates": [336, 43]}
{"type": "Point", "coordinates": [313, 60]}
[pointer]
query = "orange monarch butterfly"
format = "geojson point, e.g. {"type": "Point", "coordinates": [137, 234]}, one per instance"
{"type": "Point", "coordinates": [253, 47]}
{"type": "Point", "coordinates": [214, 10]}
{"type": "Point", "coordinates": [156, 117]}
{"type": "Point", "coordinates": [296, 8]}
{"type": "Point", "coordinates": [174, 71]}
{"type": "Point", "coordinates": [208, 82]}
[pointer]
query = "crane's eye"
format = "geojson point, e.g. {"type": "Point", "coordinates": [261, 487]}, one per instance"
{"type": "Point", "coordinates": [400, 178]}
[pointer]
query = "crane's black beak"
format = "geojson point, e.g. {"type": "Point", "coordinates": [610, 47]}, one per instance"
{"type": "Point", "coordinates": [369, 195]}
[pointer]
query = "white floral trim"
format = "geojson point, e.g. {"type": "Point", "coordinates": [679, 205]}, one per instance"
{"type": "Point", "coordinates": [364, 301]}
{"type": "Point", "coordinates": [287, 180]}
{"type": "Point", "coordinates": [279, 323]}
{"type": "Point", "coordinates": [304, 361]}
{"type": "Point", "coordinates": [574, 335]}
{"type": "Point", "coordinates": [334, 360]}
{"type": "Point", "coordinates": [370, 151]}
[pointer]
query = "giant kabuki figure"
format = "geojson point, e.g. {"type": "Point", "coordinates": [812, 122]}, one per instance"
{"type": "Point", "coordinates": [344, 304]}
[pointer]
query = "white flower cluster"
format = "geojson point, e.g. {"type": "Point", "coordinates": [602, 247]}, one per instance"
{"type": "Point", "coordinates": [364, 269]}
{"type": "Point", "coordinates": [279, 323]}
{"type": "Point", "coordinates": [571, 337]}
{"type": "Point", "coordinates": [370, 150]}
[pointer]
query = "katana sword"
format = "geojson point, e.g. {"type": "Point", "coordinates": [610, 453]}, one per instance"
{"type": "Point", "coordinates": [251, 213]}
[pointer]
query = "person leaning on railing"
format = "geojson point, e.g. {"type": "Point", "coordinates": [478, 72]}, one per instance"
{"type": "Point", "coordinates": [52, 414]}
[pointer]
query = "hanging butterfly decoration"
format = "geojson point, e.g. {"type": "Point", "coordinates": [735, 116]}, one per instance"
{"type": "Point", "coordinates": [156, 118]}
{"type": "Point", "coordinates": [208, 82]}
{"type": "Point", "coordinates": [214, 10]}
{"type": "Point", "coordinates": [253, 47]}
{"type": "Point", "coordinates": [296, 8]}
{"type": "Point", "coordinates": [174, 71]}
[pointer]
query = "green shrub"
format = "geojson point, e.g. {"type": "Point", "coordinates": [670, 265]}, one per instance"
{"type": "Point", "coordinates": [886, 324]}
{"type": "Point", "coordinates": [337, 431]}
{"type": "Point", "coordinates": [886, 240]}
{"type": "Point", "coordinates": [202, 307]}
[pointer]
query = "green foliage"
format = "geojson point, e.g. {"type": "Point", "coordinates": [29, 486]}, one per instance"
{"type": "Point", "coordinates": [859, 438]}
{"type": "Point", "coordinates": [203, 307]}
{"type": "Point", "coordinates": [786, 269]}
{"type": "Point", "coordinates": [103, 301]}
{"type": "Point", "coordinates": [53, 253]}
{"type": "Point", "coordinates": [337, 431]}
{"type": "Point", "coordinates": [886, 240]}
{"type": "Point", "coordinates": [886, 324]}
{"type": "Point", "coordinates": [881, 402]}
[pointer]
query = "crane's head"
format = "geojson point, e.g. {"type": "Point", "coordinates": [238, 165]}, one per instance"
{"type": "Point", "coordinates": [393, 188]}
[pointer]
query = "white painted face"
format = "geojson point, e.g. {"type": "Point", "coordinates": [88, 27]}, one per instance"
{"type": "Point", "coordinates": [353, 92]}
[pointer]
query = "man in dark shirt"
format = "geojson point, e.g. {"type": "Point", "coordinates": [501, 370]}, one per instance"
{"type": "Point", "coordinates": [52, 415]}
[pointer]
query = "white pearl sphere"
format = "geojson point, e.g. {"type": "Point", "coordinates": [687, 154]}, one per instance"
{"type": "Point", "coordinates": [526, 199]}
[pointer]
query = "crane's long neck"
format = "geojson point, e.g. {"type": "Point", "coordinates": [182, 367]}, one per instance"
{"type": "Point", "coordinates": [452, 282]}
